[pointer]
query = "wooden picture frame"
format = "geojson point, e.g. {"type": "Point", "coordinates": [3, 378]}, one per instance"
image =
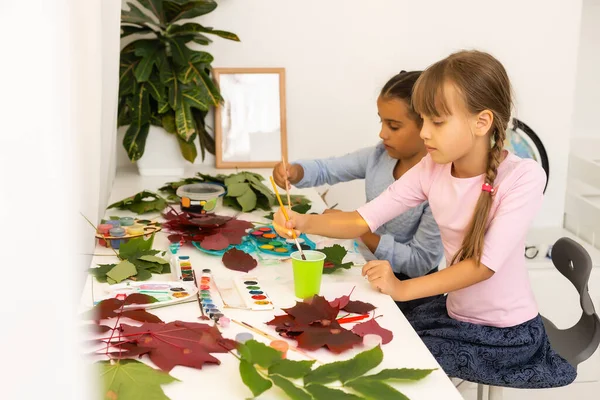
{"type": "Point", "coordinates": [250, 132]}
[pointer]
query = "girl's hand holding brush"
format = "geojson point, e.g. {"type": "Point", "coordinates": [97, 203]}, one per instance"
{"type": "Point", "coordinates": [284, 228]}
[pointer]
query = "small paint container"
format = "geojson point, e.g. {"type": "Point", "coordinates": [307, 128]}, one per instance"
{"type": "Point", "coordinates": [243, 337]}
{"type": "Point", "coordinates": [371, 340]}
{"type": "Point", "coordinates": [280, 345]}
{"type": "Point", "coordinates": [114, 222]}
{"type": "Point", "coordinates": [135, 229]}
{"type": "Point", "coordinates": [104, 230]}
{"type": "Point", "coordinates": [200, 198]}
{"type": "Point", "coordinates": [126, 221]}
{"type": "Point", "coordinates": [117, 232]}
{"type": "Point", "coordinates": [224, 322]}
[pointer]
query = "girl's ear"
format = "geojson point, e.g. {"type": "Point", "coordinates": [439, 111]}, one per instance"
{"type": "Point", "coordinates": [483, 122]}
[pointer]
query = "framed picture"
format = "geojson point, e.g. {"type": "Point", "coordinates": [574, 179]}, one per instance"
{"type": "Point", "coordinates": [250, 125]}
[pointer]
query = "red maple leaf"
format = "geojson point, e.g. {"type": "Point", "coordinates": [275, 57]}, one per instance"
{"type": "Point", "coordinates": [316, 309]}
{"type": "Point", "coordinates": [215, 242]}
{"type": "Point", "coordinates": [358, 307]}
{"type": "Point", "coordinates": [334, 337]}
{"type": "Point", "coordinates": [238, 260]}
{"type": "Point", "coordinates": [113, 307]}
{"type": "Point", "coordinates": [373, 327]}
{"type": "Point", "coordinates": [178, 343]}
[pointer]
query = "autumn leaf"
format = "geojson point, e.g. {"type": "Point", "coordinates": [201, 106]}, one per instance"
{"type": "Point", "coordinates": [372, 327]}
{"type": "Point", "coordinates": [316, 310]}
{"type": "Point", "coordinates": [334, 257]}
{"type": "Point", "coordinates": [111, 308]}
{"type": "Point", "coordinates": [215, 242]}
{"type": "Point", "coordinates": [358, 307]}
{"type": "Point", "coordinates": [333, 336]}
{"type": "Point", "coordinates": [239, 260]}
{"type": "Point", "coordinates": [179, 343]}
{"type": "Point", "coordinates": [132, 380]}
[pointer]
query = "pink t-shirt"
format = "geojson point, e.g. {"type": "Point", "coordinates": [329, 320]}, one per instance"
{"type": "Point", "coordinates": [506, 298]}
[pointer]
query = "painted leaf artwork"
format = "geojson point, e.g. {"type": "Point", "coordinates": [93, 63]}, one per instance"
{"type": "Point", "coordinates": [262, 367]}
{"type": "Point", "coordinates": [141, 203]}
{"type": "Point", "coordinates": [132, 380]}
{"type": "Point", "coordinates": [239, 260]}
{"type": "Point", "coordinates": [372, 327]}
{"type": "Point", "coordinates": [334, 256]}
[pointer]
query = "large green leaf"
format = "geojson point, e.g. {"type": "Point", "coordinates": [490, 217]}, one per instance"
{"type": "Point", "coordinates": [156, 6]}
{"type": "Point", "coordinates": [237, 189]}
{"type": "Point", "coordinates": [247, 201]}
{"type": "Point", "coordinates": [168, 122]}
{"type": "Point", "coordinates": [320, 392]}
{"type": "Point", "coordinates": [127, 82]}
{"type": "Point", "coordinates": [346, 370]}
{"type": "Point", "coordinates": [157, 90]}
{"type": "Point", "coordinates": [194, 29]}
{"type": "Point", "coordinates": [251, 378]}
{"type": "Point", "coordinates": [124, 113]}
{"type": "Point", "coordinates": [136, 16]}
{"type": "Point", "coordinates": [135, 137]}
{"type": "Point", "coordinates": [188, 149]}
{"type": "Point", "coordinates": [375, 390]}
{"type": "Point", "coordinates": [258, 353]}
{"type": "Point", "coordinates": [122, 271]}
{"type": "Point", "coordinates": [176, 10]}
{"type": "Point", "coordinates": [194, 98]}
{"type": "Point", "coordinates": [293, 391]}
{"type": "Point", "coordinates": [179, 51]}
{"type": "Point", "coordinates": [407, 374]}
{"type": "Point", "coordinates": [291, 369]}
{"type": "Point", "coordinates": [194, 72]}
{"type": "Point", "coordinates": [148, 51]}
{"type": "Point", "coordinates": [168, 76]}
{"type": "Point", "coordinates": [135, 246]}
{"type": "Point", "coordinates": [133, 29]}
{"type": "Point", "coordinates": [201, 39]}
{"type": "Point", "coordinates": [184, 122]}
{"type": "Point", "coordinates": [207, 142]}
{"type": "Point", "coordinates": [141, 203]}
{"type": "Point", "coordinates": [132, 380]}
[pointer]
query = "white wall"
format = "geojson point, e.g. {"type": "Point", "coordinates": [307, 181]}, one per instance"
{"type": "Point", "coordinates": [587, 87]}
{"type": "Point", "coordinates": [338, 54]}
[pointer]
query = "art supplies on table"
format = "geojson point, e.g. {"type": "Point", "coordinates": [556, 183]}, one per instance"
{"type": "Point", "coordinates": [184, 269]}
{"type": "Point", "coordinates": [269, 242]}
{"type": "Point", "coordinates": [210, 306]}
{"type": "Point", "coordinates": [114, 232]}
{"type": "Point", "coordinates": [253, 293]}
{"type": "Point", "coordinates": [200, 198]}
{"type": "Point", "coordinates": [166, 293]}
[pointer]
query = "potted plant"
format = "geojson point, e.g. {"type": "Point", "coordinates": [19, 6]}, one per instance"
{"type": "Point", "coordinates": [165, 87]}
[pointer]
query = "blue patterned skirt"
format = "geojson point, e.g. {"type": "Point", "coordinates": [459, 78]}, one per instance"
{"type": "Point", "coordinates": [517, 357]}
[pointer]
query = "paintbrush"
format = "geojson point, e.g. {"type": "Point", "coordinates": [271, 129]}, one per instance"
{"type": "Point", "coordinates": [204, 317]}
{"type": "Point", "coordinates": [287, 218]}
{"type": "Point", "coordinates": [287, 188]}
{"type": "Point", "coordinates": [270, 337]}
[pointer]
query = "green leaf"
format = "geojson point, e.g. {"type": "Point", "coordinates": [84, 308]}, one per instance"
{"type": "Point", "coordinates": [337, 267]}
{"type": "Point", "coordinates": [156, 89]}
{"type": "Point", "coordinates": [136, 16]}
{"type": "Point", "coordinates": [179, 51]}
{"type": "Point", "coordinates": [100, 272]}
{"type": "Point", "coordinates": [121, 271]}
{"type": "Point", "coordinates": [135, 137]}
{"type": "Point", "coordinates": [156, 6]}
{"type": "Point", "coordinates": [168, 121]}
{"type": "Point", "coordinates": [194, 98]}
{"type": "Point", "coordinates": [110, 281]}
{"type": "Point", "coordinates": [184, 122]}
{"type": "Point", "coordinates": [237, 189]}
{"type": "Point", "coordinates": [134, 246]}
{"type": "Point", "coordinates": [261, 354]}
{"type": "Point", "coordinates": [334, 254]}
{"type": "Point", "coordinates": [293, 391]}
{"type": "Point", "coordinates": [247, 201]}
{"type": "Point", "coordinates": [201, 39]}
{"type": "Point", "coordinates": [143, 275]}
{"type": "Point", "coordinates": [235, 178]}
{"type": "Point", "coordinates": [251, 378]}
{"type": "Point", "coordinates": [176, 10]}
{"type": "Point", "coordinates": [188, 149]}
{"type": "Point", "coordinates": [232, 203]}
{"type": "Point", "coordinates": [194, 72]}
{"type": "Point", "coordinates": [375, 390]}
{"type": "Point", "coordinates": [301, 208]}
{"type": "Point", "coordinates": [148, 50]}
{"type": "Point", "coordinates": [193, 29]}
{"type": "Point", "coordinates": [291, 369]}
{"type": "Point", "coordinates": [130, 30]}
{"type": "Point", "coordinates": [141, 203]}
{"type": "Point", "coordinates": [346, 370]}
{"type": "Point", "coordinates": [408, 374]}
{"type": "Point", "coordinates": [320, 392]}
{"type": "Point", "coordinates": [132, 380]}
{"type": "Point", "coordinates": [207, 142]}
{"type": "Point", "coordinates": [154, 259]}
{"type": "Point", "coordinates": [262, 189]}
{"type": "Point", "coordinates": [296, 199]}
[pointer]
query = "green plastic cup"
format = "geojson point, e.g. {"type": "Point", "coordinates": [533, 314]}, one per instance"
{"type": "Point", "coordinates": [307, 273]}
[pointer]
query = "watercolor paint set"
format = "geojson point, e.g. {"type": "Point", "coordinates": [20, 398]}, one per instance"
{"type": "Point", "coordinates": [253, 294]}
{"type": "Point", "coordinates": [269, 242]}
{"type": "Point", "coordinates": [210, 305]}
{"type": "Point", "coordinates": [166, 293]}
{"type": "Point", "coordinates": [114, 232]}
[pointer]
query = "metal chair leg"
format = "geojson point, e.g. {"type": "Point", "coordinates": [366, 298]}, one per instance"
{"type": "Point", "coordinates": [495, 393]}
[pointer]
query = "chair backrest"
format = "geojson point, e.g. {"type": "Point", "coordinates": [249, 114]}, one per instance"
{"type": "Point", "coordinates": [574, 262]}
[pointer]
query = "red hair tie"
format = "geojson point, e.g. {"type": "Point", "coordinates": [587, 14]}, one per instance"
{"type": "Point", "coordinates": [486, 187]}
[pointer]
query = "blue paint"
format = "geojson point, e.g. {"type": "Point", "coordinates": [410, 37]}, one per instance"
{"type": "Point", "coordinates": [256, 292]}
{"type": "Point", "coordinates": [117, 232]}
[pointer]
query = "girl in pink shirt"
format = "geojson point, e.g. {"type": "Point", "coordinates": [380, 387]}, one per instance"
{"type": "Point", "coordinates": [487, 329]}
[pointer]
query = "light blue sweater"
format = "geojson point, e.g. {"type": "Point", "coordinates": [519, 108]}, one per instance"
{"type": "Point", "coordinates": [410, 242]}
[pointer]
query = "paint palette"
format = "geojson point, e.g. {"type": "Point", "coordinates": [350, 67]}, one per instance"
{"type": "Point", "coordinates": [131, 228]}
{"type": "Point", "coordinates": [253, 293]}
{"type": "Point", "coordinates": [211, 309]}
{"type": "Point", "coordinates": [165, 292]}
{"type": "Point", "coordinates": [246, 246]}
{"type": "Point", "coordinates": [268, 241]}
{"type": "Point", "coordinates": [183, 267]}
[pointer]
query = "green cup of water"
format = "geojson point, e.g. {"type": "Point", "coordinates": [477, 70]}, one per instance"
{"type": "Point", "coordinates": [307, 273]}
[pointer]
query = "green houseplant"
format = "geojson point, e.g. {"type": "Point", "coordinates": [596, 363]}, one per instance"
{"type": "Point", "coordinates": [162, 81]}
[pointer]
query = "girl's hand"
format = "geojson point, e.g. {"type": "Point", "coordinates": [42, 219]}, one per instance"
{"type": "Point", "coordinates": [284, 179]}
{"type": "Point", "coordinates": [284, 228]}
{"type": "Point", "coordinates": [382, 278]}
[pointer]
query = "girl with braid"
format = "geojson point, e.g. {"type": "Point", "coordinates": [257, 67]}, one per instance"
{"type": "Point", "coordinates": [487, 328]}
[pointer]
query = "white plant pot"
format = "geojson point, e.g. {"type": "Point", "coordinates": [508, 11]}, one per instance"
{"type": "Point", "coordinates": [162, 156]}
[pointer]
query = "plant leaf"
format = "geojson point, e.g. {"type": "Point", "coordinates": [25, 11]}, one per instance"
{"type": "Point", "coordinates": [176, 10]}
{"type": "Point", "coordinates": [179, 51]}
{"type": "Point", "coordinates": [135, 137]}
{"type": "Point", "coordinates": [406, 374]}
{"type": "Point", "coordinates": [184, 121]}
{"type": "Point", "coordinates": [372, 327]}
{"type": "Point", "coordinates": [320, 392]}
{"type": "Point", "coordinates": [238, 260]}
{"type": "Point", "coordinates": [122, 271]}
{"type": "Point", "coordinates": [135, 246]}
{"type": "Point", "coordinates": [143, 275]}
{"type": "Point", "coordinates": [135, 15]}
{"type": "Point", "coordinates": [132, 380]}
{"type": "Point", "coordinates": [130, 30]}
{"type": "Point", "coordinates": [293, 391]}
{"type": "Point", "coordinates": [141, 203]}
{"type": "Point", "coordinates": [247, 201]}
{"type": "Point", "coordinates": [100, 271]}
{"type": "Point", "coordinates": [237, 189]}
{"type": "Point", "coordinates": [154, 259]}
{"type": "Point", "coordinates": [194, 98]}
{"type": "Point", "coordinates": [301, 208]}
{"type": "Point", "coordinates": [375, 390]}
{"type": "Point", "coordinates": [215, 242]}
{"type": "Point", "coordinates": [156, 6]}
{"type": "Point", "coordinates": [261, 354]}
{"type": "Point", "coordinates": [188, 149]}
{"type": "Point", "coordinates": [346, 370]}
{"type": "Point", "coordinates": [358, 307]}
{"type": "Point", "coordinates": [147, 49]}
{"type": "Point", "coordinates": [168, 121]}
{"type": "Point", "coordinates": [291, 369]}
{"type": "Point", "coordinates": [251, 378]}
{"type": "Point", "coordinates": [139, 298]}
{"type": "Point", "coordinates": [141, 316]}
{"type": "Point", "coordinates": [335, 253]}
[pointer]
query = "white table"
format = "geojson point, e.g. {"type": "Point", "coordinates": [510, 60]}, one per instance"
{"type": "Point", "coordinates": [406, 350]}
